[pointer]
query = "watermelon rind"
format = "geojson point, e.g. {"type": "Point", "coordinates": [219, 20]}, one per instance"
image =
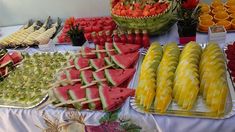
{"type": "Point", "coordinates": [93, 65]}
{"type": "Point", "coordinates": [109, 77]}
{"type": "Point", "coordinates": [107, 61]}
{"type": "Point", "coordinates": [58, 96]}
{"type": "Point", "coordinates": [2, 52]}
{"type": "Point", "coordinates": [73, 97]}
{"type": "Point", "coordinates": [97, 53]}
{"type": "Point", "coordinates": [117, 63]}
{"type": "Point", "coordinates": [102, 98]}
{"type": "Point", "coordinates": [9, 62]}
{"type": "Point", "coordinates": [84, 81]}
{"type": "Point", "coordinates": [91, 105]}
{"type": "Point", "coordinates": [76, 64]}
{"type": "Point", "coordinates": [116, 48]}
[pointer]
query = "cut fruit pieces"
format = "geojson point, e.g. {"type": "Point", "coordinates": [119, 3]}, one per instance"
{"type": "Point", "coordinates": [93, 93]}
{"type": "Point", "coordinates": [100, 54]}
{"type": "Point", "coordinates": [80, 62]}
{"type": "Point", "coordinates": [124, 61]}
{"type": "Point", "coordinates": [125, 48]}
{"type": "Point", "coordinates": [117, 76]}
{"type": "Point", "coordinates": [76, 93]}
{"type": "Point", "coordinates": [97, 63]}
{"type": "Point", "coordinates": [16, 57]}
{"type": "Point", "coordinates": [108, 48]}
{"type": "Point", "coordinates": [87, 77]}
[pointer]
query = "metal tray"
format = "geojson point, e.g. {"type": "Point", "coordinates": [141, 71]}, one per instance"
{"type": "Point", "coordinates": [200, 110]}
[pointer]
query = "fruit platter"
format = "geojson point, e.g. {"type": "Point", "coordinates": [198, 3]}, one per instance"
{"type": "Point", "coordinates": [156, 17]}
{"type": "Point", "coordinates": [31, 34]}
{"type": "Point", "coordinates": [96, 78]}
{"type": "Point", "coordinates": [218, 13]}
{"type": "Point", "coordinates": [174, 81]}
{"type": "Point", "coordinates": [26, 86]}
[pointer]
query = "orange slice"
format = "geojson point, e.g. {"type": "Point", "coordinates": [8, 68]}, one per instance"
{"type": "Point", "coordinates": [205, 17]}
{"type": "Point", "coordinates": [232, 16]}
{"type": "Point", "coordinates": [225, 23]}
{"type": "Point", "coordinates": [233, 24]}
{"type": "Point", "coordinates": [221, 16]}
{"type": "Point", "coordinates": [205, 24]}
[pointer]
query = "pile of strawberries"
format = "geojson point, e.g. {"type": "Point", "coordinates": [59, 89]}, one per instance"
{"type": "Point", "coordinates": [139, 9]}
{"type": "Point", "coordinates": [89, 25]}
{"type": "Point", "coordinates": [230, 52]}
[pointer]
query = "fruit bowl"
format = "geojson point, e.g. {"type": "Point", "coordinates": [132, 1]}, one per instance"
{"type": "Point", "coordinates": [155, 24]}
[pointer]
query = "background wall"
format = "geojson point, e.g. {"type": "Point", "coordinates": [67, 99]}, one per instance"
{"type": "Point", "coordinates": [13, 12]}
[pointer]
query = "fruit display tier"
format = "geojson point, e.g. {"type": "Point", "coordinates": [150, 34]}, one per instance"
{"type": "Point", "coordinates": [26, 86]}
{"type": "Point", "coordinates": [190, 85]}
{"type": "Point", "coordinates": [156, 18]}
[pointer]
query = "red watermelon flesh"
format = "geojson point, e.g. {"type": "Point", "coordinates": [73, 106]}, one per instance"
{"type": "Point", "coordinates": [76, 93]}
{"type": "Point", "coordinates": [5, 60]}
{"type": "Point", "coordinates": [98, 76]}
{"type": "Point", "coordinates": [125, 60]}
{"type": "Point", "coordinates": [16, 57]}
{"type": "Point", "coordinates": [87, 53]}
{"type": "Point", "coordinates": [108, 102]}
{"type": "Point", "coordinates": [97, 63]}
{"type": "Point", "coordinates": [100, 54]}
{"type": "Point", "coordinates": [125, 48]}
{"type": "Point", "coordinates": [81, 62]}
{"type": "Point", "coordinates": [117, 76]}
{"type": "Point", "coordinates": [86, 77]}
{"type": "Point", "coordinates": [70, 62]}
{"type": "Point", "coordinates": [72, 74]}
{"type": "Point", "coordinates": [93, 93]}
{"type": "Point", "coordinates": [109, 46]}
{"type": "Point", "coordinates": [61, 93]}
{"type": "Point", "coordinates": [62, 76]}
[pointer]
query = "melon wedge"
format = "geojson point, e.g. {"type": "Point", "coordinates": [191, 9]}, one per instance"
{"type": "Point", "coordinates": [93, 93]}
{"type": "Point", "coordinates": [117, 76]}
{"type": "Point", "coordinates": [2, 52]}
{"type": "Point", "coordinates": [87, 53]}
{"type": "Point", "coordinates": [76, 93]}
{"type": "Point", "coordinates": [125, 48]}
{"type": "Point", "coordinates": [6, 60]}
{"type": "Point", "coordinates": [108, 47]}
{"type": "Point", "coordinates": [98, 76]}
{"type": "Point", "coordinates": [97, 63]}
{"type": "Point", "coordinates": [100, 54]}
{"type": "Point", "coordinates": [125, 60]}
{"type": "Point", "coordinates": [61, 93]}
{"type": "Point", "coordinates": [16, 56]}
{"type": "Point", "coordinates": [81, 63]}
{"type": "Point", "coordinates": [87, 77]}
{"type": "Point", "coordinates": [113, 98]}
{"type": "Point", "coordinates": [62, 76]}
{"type": "Point", "coordinates": [72, 74]}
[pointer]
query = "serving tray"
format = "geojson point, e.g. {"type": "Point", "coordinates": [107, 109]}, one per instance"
{"type": "Point", "coordinates": [200, 110]}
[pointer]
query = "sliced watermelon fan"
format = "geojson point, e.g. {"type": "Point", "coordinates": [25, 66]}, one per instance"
{"type": "Point", "coordinates": [106, 97]}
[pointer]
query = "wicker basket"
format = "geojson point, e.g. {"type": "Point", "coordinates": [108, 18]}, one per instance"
{"type": "Point", "coordinates": [155, 25]}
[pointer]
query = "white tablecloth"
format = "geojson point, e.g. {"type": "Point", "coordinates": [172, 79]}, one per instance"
{"type": "Point", "coordinates": [19, 120]}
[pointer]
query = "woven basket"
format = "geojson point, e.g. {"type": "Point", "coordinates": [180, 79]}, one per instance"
{"type": "Point", "coordinates": [155, 25]}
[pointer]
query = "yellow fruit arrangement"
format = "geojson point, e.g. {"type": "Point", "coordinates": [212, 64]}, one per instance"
{"type": "Point", "coordinates": [168, 75]}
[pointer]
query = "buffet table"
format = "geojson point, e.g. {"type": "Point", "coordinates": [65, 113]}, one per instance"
{"type": "Point", "coordinates": [20, 120]}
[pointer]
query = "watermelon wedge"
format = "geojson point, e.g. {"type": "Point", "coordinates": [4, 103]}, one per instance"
{"type": "Point", "coordinates": [81, 63]}
{"type": "Point", "coordinates": [6, 60]}
{"type": "Point", "coordinates": [100, 54]}
{"type": "Point", "coordinates": [125, 48]}
{"type": "Point", "coordinates": [61, 93]}
{"type": "Point", "coordinates": [97, 63]}
{"type": "Point", "coordinates": [4, 71]}
{"type": "Point", "coordinates": [87, 77]}
{"type": "Point", "coordinates": [125, 60]}
{"type": "Point", "coordinates": [109, 46]}
{"type": "Point", "coordinates": [98, 76]}
{"type": "Point", "coordinates": [62, 76]}
{"type": "Point", "coordinates": [70, 62]}
{"type": "Point", "coordinates": [117, 76]}
{"type": "Point", "coordinates": [108, 61]}
{"type": "Point", "coordinates": [76, 93]}
{"type": "Point", "coordinates": [72, 74]}
{"type": "Point", "coordinates": [16, 56]}
{"type": "Point", "coordinates": [93, 93]}
{"type": "Point", "coordinates": [87, 53]}
{"type": "Point", "coordinates": [113, 98]}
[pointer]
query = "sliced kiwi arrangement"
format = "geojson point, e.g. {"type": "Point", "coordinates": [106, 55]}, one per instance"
{"type": "Point", "coordinates": [28, 83]}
